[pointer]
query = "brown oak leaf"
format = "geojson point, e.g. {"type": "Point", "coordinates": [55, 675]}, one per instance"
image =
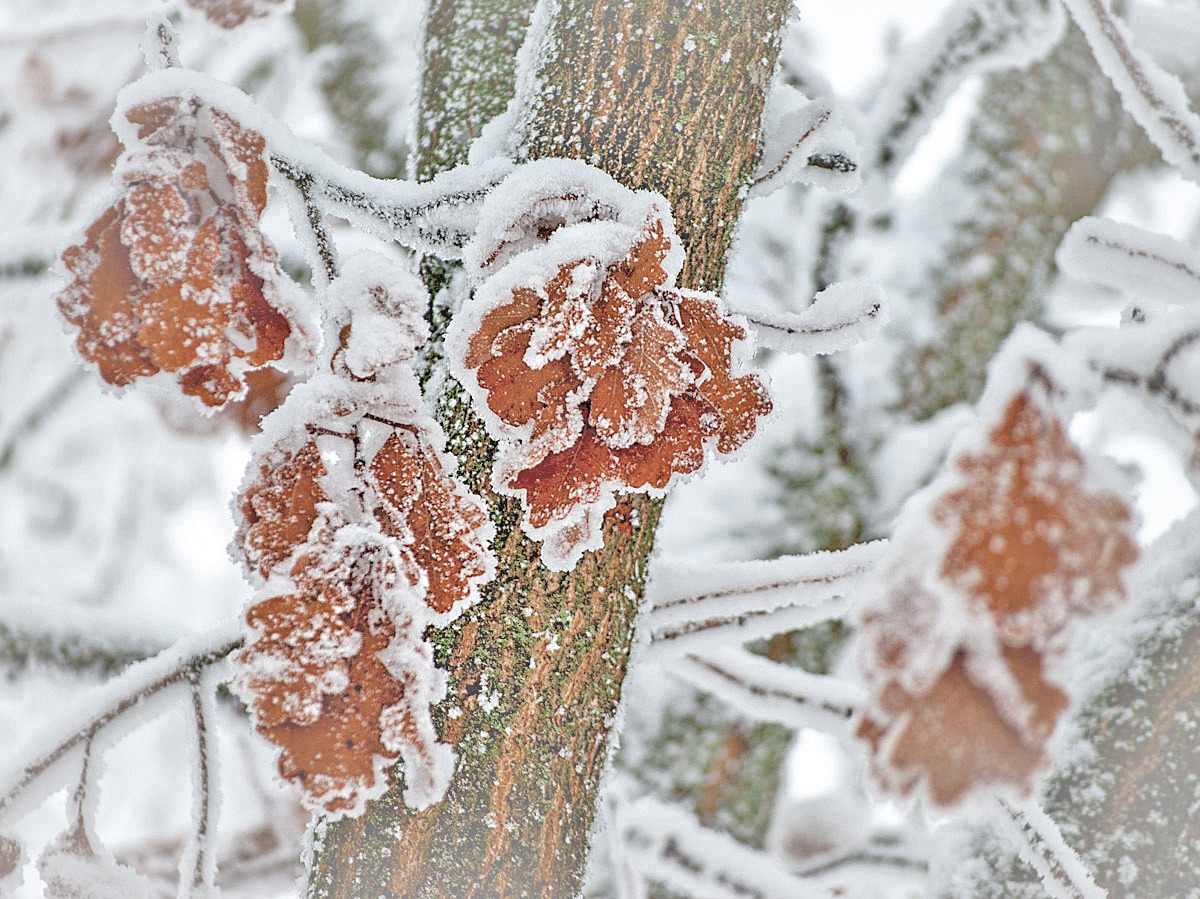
{"type": "Point", "coordinates": [360, 538]}
{"type": "Point", "coordinates": [176, 275]}
{"type": "Point", "coordinates": [232, 13]}
{"type": "Point", "coordinates": [956, 736]}
{"type": "Point", "coordinates": [960, 650]}
{"type": "Point", "coordinates": [1033, 545]}
{"type": "Point", "coordinates": [601, 377]}
{"type": "Point", "coordinates": [316, 676]}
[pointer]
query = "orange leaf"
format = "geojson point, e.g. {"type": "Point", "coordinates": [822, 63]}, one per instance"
{"type": "Point", "coordinates": [1033, 545]}
{"type": "Point", "coordinates": [955, 737]}
{"type": "Point", "coordinates": [176, 276]}
{"type": "Point", "coordinates": [600, 379]}
{"type": "Point", "coordinates": [960, 650]}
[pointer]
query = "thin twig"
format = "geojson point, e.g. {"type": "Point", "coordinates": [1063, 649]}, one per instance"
{"type": "Point", "coordinates": [1042, 845]}
{"type": "Point", "coordinates": [114, 700]}
{"type": "Point", "coordinates": [1154, 98]}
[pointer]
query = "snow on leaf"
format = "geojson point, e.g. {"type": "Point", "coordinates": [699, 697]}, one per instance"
{"type": "Point", "coordinates": [1032, 546]}
{"type": "Point", "coordinates": [175, 276]}
{"type": "Point", "coordinates": [360, 538]}
{"type": "Point", "coordinates": [72, 869]}
{"type": "Point", "coordinates": [593, 372]}
{"type": "Point", "coordinates": [991, 569]}
{"type": "Point", "coordinates": [955, 736]}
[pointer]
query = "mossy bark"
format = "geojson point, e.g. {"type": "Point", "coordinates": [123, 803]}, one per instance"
{"type": "Point", "coordinates": [1043, 150]}
{"type": "Point", "coordinates": [664, 95]}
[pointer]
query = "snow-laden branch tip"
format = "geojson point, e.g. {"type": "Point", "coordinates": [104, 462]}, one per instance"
{"type": "Point", "coordinates": [668, 846]}
{"type": "Point", "coordinates": [803, 143]}
{"type": "Point", "coordinates": [1153, 97]}
{"type": "Point", "coordinates": [693, 608]}
{"type": "Point", "coordinates": [973, 37]}
{"type": "Point", "coordinates": [839, 317]}
{"type": "Point", "coordinates": [1130, 259]}
{"type": "Point", "coordinates": [1041, 845]}
{"type": "Point", "coordinates": [69, 639]}
{"type": "Point", "coordinates": [436, 217]}
{"type": "Point", "coordinates": [109, 706]}
{"type": "Point", "coordinates": [771, 691]}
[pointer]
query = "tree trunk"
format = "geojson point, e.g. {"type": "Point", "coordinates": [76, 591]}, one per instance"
{"type": "Point", "coordinates": [662, 95]}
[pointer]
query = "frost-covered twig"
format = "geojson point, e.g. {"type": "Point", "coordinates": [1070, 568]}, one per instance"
{"type": "Point", "coordinates": [973, 37]}
{"type": "Point", "coordinates": [1131, 259]}
{"type": "Point", "coordinates": [197, 867]}
{"type": "Point", "coordinates": [108, 706]}
{"type": "Point", "coordinates": [1156, 382]}
{"type": "Point", "coordinates": [436, 216]}
{"type": "Point", "coordinates": [1042, 846]}
{"type": "Point", "coordinates": [68, 644]}
{"type": "Point", "coordinates": [771, 691]}
{"type": "Point", "coordinates": [670, 847]}
{"type": "Point", "coordinates": [1153, 97]}
{"type": "Point", "coordinates": [738, 601]}
{"type": "Point", "coordinates": [803, 144]}
{"type": "Point", "coordinates": [839, 317]}
{"type": "Point", "coordinates": [311, 219]}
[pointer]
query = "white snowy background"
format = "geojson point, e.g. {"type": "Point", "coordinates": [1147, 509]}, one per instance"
{"type": "Point", "coordinates": [114, 512]}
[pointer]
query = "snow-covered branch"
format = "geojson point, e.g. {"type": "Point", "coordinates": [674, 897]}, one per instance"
{"type": "Point", "coordinates": [839, 317]}
{"type": "Point", "coordinates": [772, 691]}
{"type": "Point", "coordinates": [670, 847]}
{"type": "Point", "coordinates": [1130, 259]}
{"type": "Point", "coordinates": [738, 601]}
{"type": "Point", "coordinates": [974, 36]}
{"type": "Point", "coordinates": [108, 706]}
{"type": "Point", "coordinates": [1042, 846]}
{"type": "Point", "coordinates": [1154, 98]}
{"type": "Point", "coordinates": [436, 216]}
{"type": "Point", "coordinates": [76, 642]}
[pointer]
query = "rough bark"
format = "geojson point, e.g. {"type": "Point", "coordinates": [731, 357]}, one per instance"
{"type": "Point", "coordinates": [648, 92]}
{"type": "Point", "coordinates": [1043, 150]}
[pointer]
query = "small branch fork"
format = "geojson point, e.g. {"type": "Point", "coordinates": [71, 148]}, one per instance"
{"type": "Point", "coordinates": [108, 709]}
{"type": "Point", "coordinates": [1156, 383]}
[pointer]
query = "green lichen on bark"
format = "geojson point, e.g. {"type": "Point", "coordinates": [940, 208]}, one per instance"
{"type": "Point", "coordinates": [535, 669]}
{"type": "Point", "coordinates": [470, 61]}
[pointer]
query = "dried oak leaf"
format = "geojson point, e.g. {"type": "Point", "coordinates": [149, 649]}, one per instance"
{"type": "Point", "coordinates": [423, 508]}
{"type": "Point", "coordinates": [358, 552]}
{"type": "Point", "coordinates": [605, 379]}
{"type": "Point", "coordinates": [959, 651]}
{"type": "Point", "coordinates": [956, 736]}
{"type": "Point", "coordinates": [316, 678]}
{"type": "Point", "coordinates": [176, 275]}
{"type": "Point", "coordinates": [1033, 546]}
{"type": "Point", "coordinates": [232, 13]}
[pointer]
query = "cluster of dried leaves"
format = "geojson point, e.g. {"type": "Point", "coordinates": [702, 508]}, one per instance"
{"type": "Point", "coordinates": [360, 538]}
{"type": "Point", "coordinates": [176, 276]}
{"type": "Point", "coordinates": [598, 375]}
{"type": "Point", "coordinates": [960, 652]}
